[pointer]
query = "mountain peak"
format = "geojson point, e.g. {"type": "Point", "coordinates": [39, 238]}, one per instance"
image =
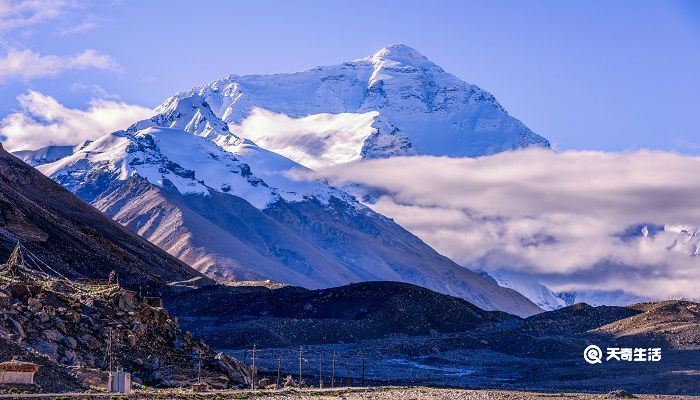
{"type": "Point", "coordinates": [400, 53]}
{"type": "Point", "coordinates": [398, 50]}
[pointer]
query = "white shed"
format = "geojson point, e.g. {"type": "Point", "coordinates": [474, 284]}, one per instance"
{"type": "Point", "coordinates": [18, 372]}
{"type": "Point", "coordinates": [119, 382]}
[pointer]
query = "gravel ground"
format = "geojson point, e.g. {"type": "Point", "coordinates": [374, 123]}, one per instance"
{"type": "Point", "coordinates": [453, 394]}
{"type": "Point", "coordinates": [417, 393]}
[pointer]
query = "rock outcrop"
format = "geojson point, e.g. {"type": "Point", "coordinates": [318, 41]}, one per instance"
{"type": "Point", "coordinates": [86, 334]}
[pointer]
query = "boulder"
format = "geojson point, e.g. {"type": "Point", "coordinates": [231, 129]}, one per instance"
{"type": "Point", "coordinates": [53, 335]}
{"type": "Point", "coordinates": [126, 301]}
{"type": "Point", "coordinates": [46, 348]}
{"type": "Point", "coordinates": [70, 342]}
{"type": "Point", "coordinates": [138, 328]}
{"type": "Point", "coordinates": [23, 291]}
{"type": "Point", "coordinates": [34, 304]}
{"type": "Point", "coordinates": [4, 301]}
{"type": "Point", "coordinates": [89, 341]}
{"type": "Point", "coordinates": [43, 317]}
{"type": "Point", "coordinates": [69, 358]}
{"type": "Point", "coordinates": [59, 325]}
{"type": "Point", "coordinates": [17, 328]}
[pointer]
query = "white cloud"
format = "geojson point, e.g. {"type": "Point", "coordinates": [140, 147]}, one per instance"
{"type": "Point", "coordinates": [16, 14]}
{"type": "Point", "coordinates": [555, 216]}
{"type": "Point", "coordinates": [313, 141]}
{"type": "Point", "coordinates": [80, 28]}
{"type": "Point", "coordinates": [95, 90]}
{"type": "Point", "coordinates": [43, 121]}
{"type": "Point", "coordinates": [26, 64]}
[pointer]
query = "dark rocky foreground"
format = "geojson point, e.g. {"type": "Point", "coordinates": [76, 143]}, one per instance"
{"type": "Point", "coordinates": [232, 317]}
{"type": "Point", "coordinates": [402, 334]}
{"type": "Point", "coordinates": [69, 335]}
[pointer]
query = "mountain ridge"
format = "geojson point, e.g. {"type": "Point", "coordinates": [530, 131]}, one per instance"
{"type": "Point", "coordinates": [73, 237]}
{"type": "Point", "coordinates": [233, 214]}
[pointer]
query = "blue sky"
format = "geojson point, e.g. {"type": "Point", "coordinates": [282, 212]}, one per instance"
{"type": "Point", "coordinates": [616, 75]}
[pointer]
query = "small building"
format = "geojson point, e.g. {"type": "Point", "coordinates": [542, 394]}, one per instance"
{"type": "Point", "coordinates": [154, 301]}
{"type": "Point", "coordinates": [200, 387]}
{"type": "Point", "coordinates": [18, 372]}
{"type": "Point", "coordinates": [119, 382]}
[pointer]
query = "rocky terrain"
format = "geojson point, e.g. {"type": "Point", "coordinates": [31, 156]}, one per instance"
{"type": "Point", "coordinates": [231, 317]}
{"type": "Point", "coordinates": [74, 238]}
{"type": "Point", "coordinates": [402, 334]}
{"type": "Point", "coordinates": [71, 335]}
{"type": "Point", "coordinates": [671, 324]}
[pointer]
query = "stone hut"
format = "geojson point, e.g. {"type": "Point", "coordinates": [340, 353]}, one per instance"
{"type": "Point", "coordinates": [18, 372]}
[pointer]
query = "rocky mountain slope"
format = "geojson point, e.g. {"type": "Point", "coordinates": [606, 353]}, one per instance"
{"type": "Point", "coordinates": [672, 324]}
{"type": "Point", "coordinates": [394, 102]}
{"type": "Point", "coordinates": [71, 333]}
{"type": "Point", "coordinates": [232, 317]}
{"type": "Point", "coordinates": [74, 238]}
{"type": "Point", "coordinates": [230, 209]}
{"type": "Point", "coordinates": [290, 316]}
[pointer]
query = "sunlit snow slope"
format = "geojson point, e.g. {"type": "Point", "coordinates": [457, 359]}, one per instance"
{"type": "Point", "coordinates": [395, 102]}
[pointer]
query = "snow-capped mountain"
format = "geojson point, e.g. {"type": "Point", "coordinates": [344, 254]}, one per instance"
{"type": "Point", "coordinates": [530, 288]}
{"type": "Point", "coordinates": [687, 238]}
{"type": "Point", "coordinates": [601, 298]}
{"type": "Point", "coordinates": [395, 102]}
{"type": "Point", "coordinates": [230, 209]}
{"type": "Point", "coordinates": [47, 154]}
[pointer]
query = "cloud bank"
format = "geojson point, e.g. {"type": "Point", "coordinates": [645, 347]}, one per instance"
{"type": "Point", "coordinates": [26, 64]}
{"type": "Point", "coordinates": [572, 220]}
{"type": "Point", "coordinates": [43, 121]}
{"type": "Point", "coordinates": [314, 141]}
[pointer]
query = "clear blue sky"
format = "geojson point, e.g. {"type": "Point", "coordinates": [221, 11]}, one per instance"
{"type": "Point", "coordinates": [608, 75]}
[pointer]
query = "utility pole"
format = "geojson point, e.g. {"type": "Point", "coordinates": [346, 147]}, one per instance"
{"type": "Point", "coordinates": [333, 371]}
{"type": "Point", "coordinates": [199, 368]}
{"type": "Point", "coordinates": [279, 366]}
{"type": "Point", "coordinates": [301, 349]}
{"type": "Point", "coordinates": [363, 370]}
{"type": "Point", "coordinates": [109, 351]}
{"type": "Point", "coordinates": [254, 374]}
{"type": "Point", "coordinates": [320, 370]}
